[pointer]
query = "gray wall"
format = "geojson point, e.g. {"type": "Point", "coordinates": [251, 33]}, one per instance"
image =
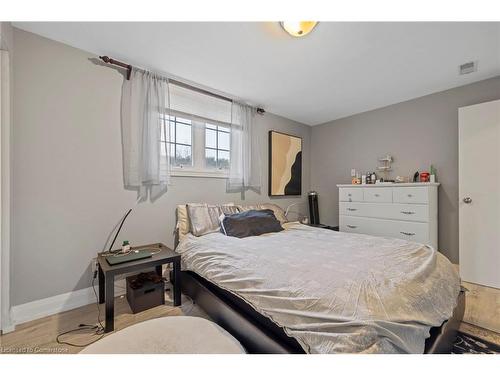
{"type": "Point", "coordinates": [67, 180]}
{"type": "Point", "coordinates": [417, 133]}
{"type": "Point", "coordinates": [6, 37]}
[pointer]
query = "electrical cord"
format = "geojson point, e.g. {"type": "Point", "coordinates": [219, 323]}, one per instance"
{"type": "Point", "coordinates": [97, 328]}
{"type": "Point", "coordinates": [81, 327]}
{"type": "Point", "coordinates": [97, 303]}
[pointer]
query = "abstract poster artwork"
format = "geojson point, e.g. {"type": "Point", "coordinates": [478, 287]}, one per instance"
{"type": "Point", "coordinates": [285, 164]}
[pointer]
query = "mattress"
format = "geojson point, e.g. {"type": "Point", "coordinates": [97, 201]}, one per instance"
{"type": "Point", "coordinates": [333, 292]}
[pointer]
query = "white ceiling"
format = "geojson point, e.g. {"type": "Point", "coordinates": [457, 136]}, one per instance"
{"type": "Point", "coordinates": [338, 70]}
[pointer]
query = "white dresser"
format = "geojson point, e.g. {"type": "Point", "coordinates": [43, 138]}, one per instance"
{"type": "Point", "coordinates": [407, 211]}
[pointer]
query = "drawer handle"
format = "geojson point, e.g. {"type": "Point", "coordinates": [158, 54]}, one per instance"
{"type": "Point", "coordinates": [410, 195]}
{"type": "Point", "coordinates": [351, 226]}
{"type": "Point", "coordinates": [407, 212]}
{"type": "Point", "coordinates": [349, 194]}
{"type": "Point", "coordinates": [352, 209]}
{"type": "Point", "coordinates": [377, 195]}
{"type": "Point", "coordinates": [407, 233]}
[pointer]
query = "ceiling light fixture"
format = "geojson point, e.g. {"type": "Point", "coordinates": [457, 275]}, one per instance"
{"type": "Point", "coordinates": [298, 28]}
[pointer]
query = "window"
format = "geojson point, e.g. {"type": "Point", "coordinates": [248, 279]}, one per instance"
{"type": "Point", "coordinates": [198, 147]}
{"type": "Point", "coordinates": [180, 142]}
{"type": "Point", "coordinates": [199, 127]}
{"type": "Point", "coordinates": [217, 143]}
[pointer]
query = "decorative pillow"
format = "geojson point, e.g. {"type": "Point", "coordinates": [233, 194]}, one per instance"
{"type": "Point", "coordinates": [250, 223]}
{"type": "Point", "coordinates": [228, 209]}
{"type": "Point", "coordinates": [277, 210]}
{"type": "Point", "coordinates": [204, 218]}
{"type": "Point", "coordinates": [183, 225]}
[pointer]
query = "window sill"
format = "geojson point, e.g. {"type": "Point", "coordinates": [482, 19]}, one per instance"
{"type": "Point", "coordinates": [178, 172]}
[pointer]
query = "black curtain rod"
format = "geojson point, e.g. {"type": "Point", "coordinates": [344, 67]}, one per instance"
{"type": "Point", "coordinates": [111, 61]}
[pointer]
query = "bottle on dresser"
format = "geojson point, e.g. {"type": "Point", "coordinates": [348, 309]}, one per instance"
{"type": "Point", "coordinates": [368, 178]}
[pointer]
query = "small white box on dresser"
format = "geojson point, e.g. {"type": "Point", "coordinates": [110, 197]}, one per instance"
{"type": "Point", "coordinates": [408, 211]}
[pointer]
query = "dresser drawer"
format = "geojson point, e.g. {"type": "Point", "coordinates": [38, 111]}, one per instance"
{"type": "Point", "coordinates": [355, 209]}
{"type": "Point", "coordinates": [351, 195]}
{"type": "Point", "coordinates": [410, 231]}
{"type": "Point", "coordinates": [352, 224]}
{"type": "Point", "coordinates": [411, 195]}
{"type": "Point", "coordinates": [416, 232]}
{"type": "Point", "coordinates": [380, 195]}
{"type": "Point", "coordinates": [393, 211]}
{"type": "Point", "coordinates": [408, 212]}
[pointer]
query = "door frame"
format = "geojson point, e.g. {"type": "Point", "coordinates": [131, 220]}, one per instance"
{"type": "Point", "coordinates": [5, 209]}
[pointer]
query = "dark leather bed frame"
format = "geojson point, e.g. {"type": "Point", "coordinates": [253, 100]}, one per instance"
{"type": "Point", "coordinates": [258, 334]}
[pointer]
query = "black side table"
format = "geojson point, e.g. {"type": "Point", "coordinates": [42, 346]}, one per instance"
{"type": "Point", "coordinates": [107, 275]}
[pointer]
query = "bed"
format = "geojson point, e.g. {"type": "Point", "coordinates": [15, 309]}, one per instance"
{"type": "Point", "coordinates": [311, 290]}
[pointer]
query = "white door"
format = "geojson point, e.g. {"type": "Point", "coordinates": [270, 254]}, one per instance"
{"type": "Point", "coordinates": [479, 193]}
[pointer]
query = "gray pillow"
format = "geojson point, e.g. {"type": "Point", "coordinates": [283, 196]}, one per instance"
{"type": "Point", "coordinates": [250, 223]}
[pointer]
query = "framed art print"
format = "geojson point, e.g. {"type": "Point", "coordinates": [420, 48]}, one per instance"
{"type": "Point", "coordinates": [285, 164]}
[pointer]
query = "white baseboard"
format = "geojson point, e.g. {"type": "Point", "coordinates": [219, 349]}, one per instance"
{"type": "Point", "coordinates": [56, 304]}
{"type": "Point", "coordinates": [7, 328]}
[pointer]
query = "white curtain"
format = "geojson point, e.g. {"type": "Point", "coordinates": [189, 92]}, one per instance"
{"type": "Point", "coordinates": [244, 165]}
{"type": "Point", "coordinates": [145, 110]}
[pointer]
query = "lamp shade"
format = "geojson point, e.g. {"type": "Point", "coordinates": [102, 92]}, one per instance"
{"type": "Point", "coordinates": [298, 28]}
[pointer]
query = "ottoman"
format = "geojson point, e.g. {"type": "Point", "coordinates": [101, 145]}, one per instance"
{"type": "Point", "coordinates": [174, 334]}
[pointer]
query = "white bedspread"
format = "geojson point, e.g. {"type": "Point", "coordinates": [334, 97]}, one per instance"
{"type": "Point", "coordinates": [333, 292]}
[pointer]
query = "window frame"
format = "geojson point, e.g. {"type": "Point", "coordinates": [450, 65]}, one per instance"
{"type": "Point", "coordinates": [169, 142]}
{"type": "Point", "coordinates": [218, 129]}
{"type": "Point", "coordinates": [198, 146]}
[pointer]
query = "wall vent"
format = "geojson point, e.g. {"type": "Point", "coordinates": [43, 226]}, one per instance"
{"type": "Point", "coordinates": [468, 67]}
